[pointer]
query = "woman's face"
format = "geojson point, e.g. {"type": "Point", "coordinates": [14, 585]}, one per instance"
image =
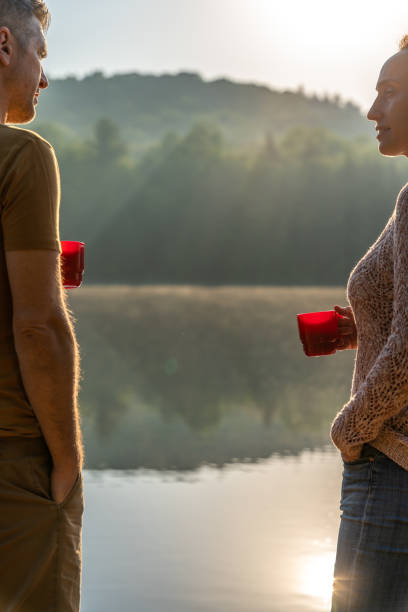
{"type": "Point", "coordinates": [390, 108]}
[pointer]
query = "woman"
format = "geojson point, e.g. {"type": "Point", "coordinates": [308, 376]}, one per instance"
{"type": "Point", "coordinates": [371, 430]}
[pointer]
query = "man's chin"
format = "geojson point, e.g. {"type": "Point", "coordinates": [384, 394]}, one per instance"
{"type": "Point", "coordinates": [22, 117]}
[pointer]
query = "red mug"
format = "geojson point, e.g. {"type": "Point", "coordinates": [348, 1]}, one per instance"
{"type": "Point", "coordinates": [318, 332]}
{"type": "Point", "coordinates": [72, 263]}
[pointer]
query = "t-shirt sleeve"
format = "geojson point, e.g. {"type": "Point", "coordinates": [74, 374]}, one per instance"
{"type": "Point", "coordinates": [31, 199]}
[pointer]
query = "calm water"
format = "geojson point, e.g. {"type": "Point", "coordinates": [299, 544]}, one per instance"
{"type": "Point", "coordinates": [210, 481]}
{"type": "Point", "coordinates": [248, 538]}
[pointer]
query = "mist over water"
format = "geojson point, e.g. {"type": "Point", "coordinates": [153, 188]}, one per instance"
{"type": "Point", "coordinates": [177, 377]}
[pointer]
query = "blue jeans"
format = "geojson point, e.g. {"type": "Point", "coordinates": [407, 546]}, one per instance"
{"type": "Point", "coordinates": [371, 568]}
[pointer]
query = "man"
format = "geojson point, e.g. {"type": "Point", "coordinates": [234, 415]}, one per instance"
{"type": "Point", "coordinates": [41, 453]}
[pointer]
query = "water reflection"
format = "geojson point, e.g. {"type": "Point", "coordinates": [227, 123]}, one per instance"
{"type": "Point", "coordinates": [177, 377]}
{"type": "Point", "coordinates": [316, 578]}
{"type": "Point", "coordinates": [249, 538]}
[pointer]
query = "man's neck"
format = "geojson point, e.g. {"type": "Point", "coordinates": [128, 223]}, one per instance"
{"type": "Point", "coordinates": [3, 107]}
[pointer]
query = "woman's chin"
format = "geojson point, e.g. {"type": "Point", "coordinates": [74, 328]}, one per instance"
{"type": "Point", "coordinates": [387, 149]}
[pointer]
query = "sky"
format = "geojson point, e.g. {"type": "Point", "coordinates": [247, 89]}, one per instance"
{"type": "Point", "coordinates": [327, 47]}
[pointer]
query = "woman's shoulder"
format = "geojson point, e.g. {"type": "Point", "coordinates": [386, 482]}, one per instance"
{"type": "Point", "coordinates": [403, 194]}
{"type": "Point", "coordinates": [401, 205]}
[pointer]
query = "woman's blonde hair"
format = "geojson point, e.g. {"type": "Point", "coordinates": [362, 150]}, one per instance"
{"type": "Point", "coordinates": [403, 42]}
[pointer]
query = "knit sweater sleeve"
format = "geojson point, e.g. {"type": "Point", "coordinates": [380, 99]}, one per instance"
{"type": "Point", "coordinates": [384, 392]}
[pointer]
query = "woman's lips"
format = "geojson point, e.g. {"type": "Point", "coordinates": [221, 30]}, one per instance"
{"type": "Point", "coordinates": [382, 132]}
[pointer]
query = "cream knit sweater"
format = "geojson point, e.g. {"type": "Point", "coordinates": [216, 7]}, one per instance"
{"type": "Point", "coordinates": [377, 290]}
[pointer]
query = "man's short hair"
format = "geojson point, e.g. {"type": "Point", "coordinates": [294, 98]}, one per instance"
{"type": "Point", "coordinates": [403, 42]}
{"type": "Point", "coordinates": [16, 14]}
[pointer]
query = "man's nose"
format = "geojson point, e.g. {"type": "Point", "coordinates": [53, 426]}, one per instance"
{"type": "Point", "coordinates": [43, 80]}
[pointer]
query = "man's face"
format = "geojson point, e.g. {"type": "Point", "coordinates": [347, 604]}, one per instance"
{"type": "Point", "coordinates": [390, 108]}
{"type": "Point", "coordinates": [26, 77]}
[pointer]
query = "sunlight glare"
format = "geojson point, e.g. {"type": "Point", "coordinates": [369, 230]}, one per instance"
{"type": "Point", "coordinates": [316, 576]}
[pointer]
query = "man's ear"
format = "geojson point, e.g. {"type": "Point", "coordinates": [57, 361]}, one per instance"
{"type": "Point", "coordinates": [6, 46]}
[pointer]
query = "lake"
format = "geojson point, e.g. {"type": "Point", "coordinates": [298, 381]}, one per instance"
{"type": "Point", "coordinates": [210, 481]}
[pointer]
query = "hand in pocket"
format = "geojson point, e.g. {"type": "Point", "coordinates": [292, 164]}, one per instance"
{"type": "Point", "coordinates": [62, 482]}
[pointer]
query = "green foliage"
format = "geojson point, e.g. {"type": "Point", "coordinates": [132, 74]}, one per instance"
{"type": "Point", "coordinates": [300, 208]}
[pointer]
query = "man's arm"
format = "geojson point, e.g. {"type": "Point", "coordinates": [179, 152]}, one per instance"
{"type": "Point", "coordinates": [48, 359]}
{"type": "Point", "coordinates": [47, 351]}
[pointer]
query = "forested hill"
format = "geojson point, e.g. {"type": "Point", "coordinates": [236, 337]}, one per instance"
{"type": "Point", "coordinates": [146, 107]}
{"type": "Point", "coordinates": [173, 179]}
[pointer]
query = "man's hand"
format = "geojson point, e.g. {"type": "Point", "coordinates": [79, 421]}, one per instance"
{"type": "Point", "coordinates": [347, 329]}
{"type": "Point", "coordinates": [62, 481]}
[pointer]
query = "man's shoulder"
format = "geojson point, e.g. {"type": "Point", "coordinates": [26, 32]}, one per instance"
{"type": "Point", "coordinates": [21, 136]}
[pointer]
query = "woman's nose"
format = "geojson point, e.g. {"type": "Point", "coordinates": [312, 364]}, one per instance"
{"type": "Point", "coordinates": [43, 81]}
{"type": "Point", "coordinates": [373, 114]}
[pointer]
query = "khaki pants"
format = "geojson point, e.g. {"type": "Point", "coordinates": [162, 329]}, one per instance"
{"type": "Point", "coordinates": [40, 540]}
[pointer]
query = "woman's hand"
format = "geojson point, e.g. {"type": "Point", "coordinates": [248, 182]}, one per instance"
{"type": "Point", "coordinates": [347, 329]}
{"type": "Point", "coordinates": [352, 455]}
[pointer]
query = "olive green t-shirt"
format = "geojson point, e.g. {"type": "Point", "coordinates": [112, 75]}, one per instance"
{"type": "Point", "coordinates": [29, 208]}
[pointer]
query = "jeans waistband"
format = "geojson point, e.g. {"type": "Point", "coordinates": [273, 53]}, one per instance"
{"type": "Point", "coordinates": [370, 451]}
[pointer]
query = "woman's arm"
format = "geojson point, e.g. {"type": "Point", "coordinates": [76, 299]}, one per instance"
{"type": "Point", "coordinates": [384, 392]}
